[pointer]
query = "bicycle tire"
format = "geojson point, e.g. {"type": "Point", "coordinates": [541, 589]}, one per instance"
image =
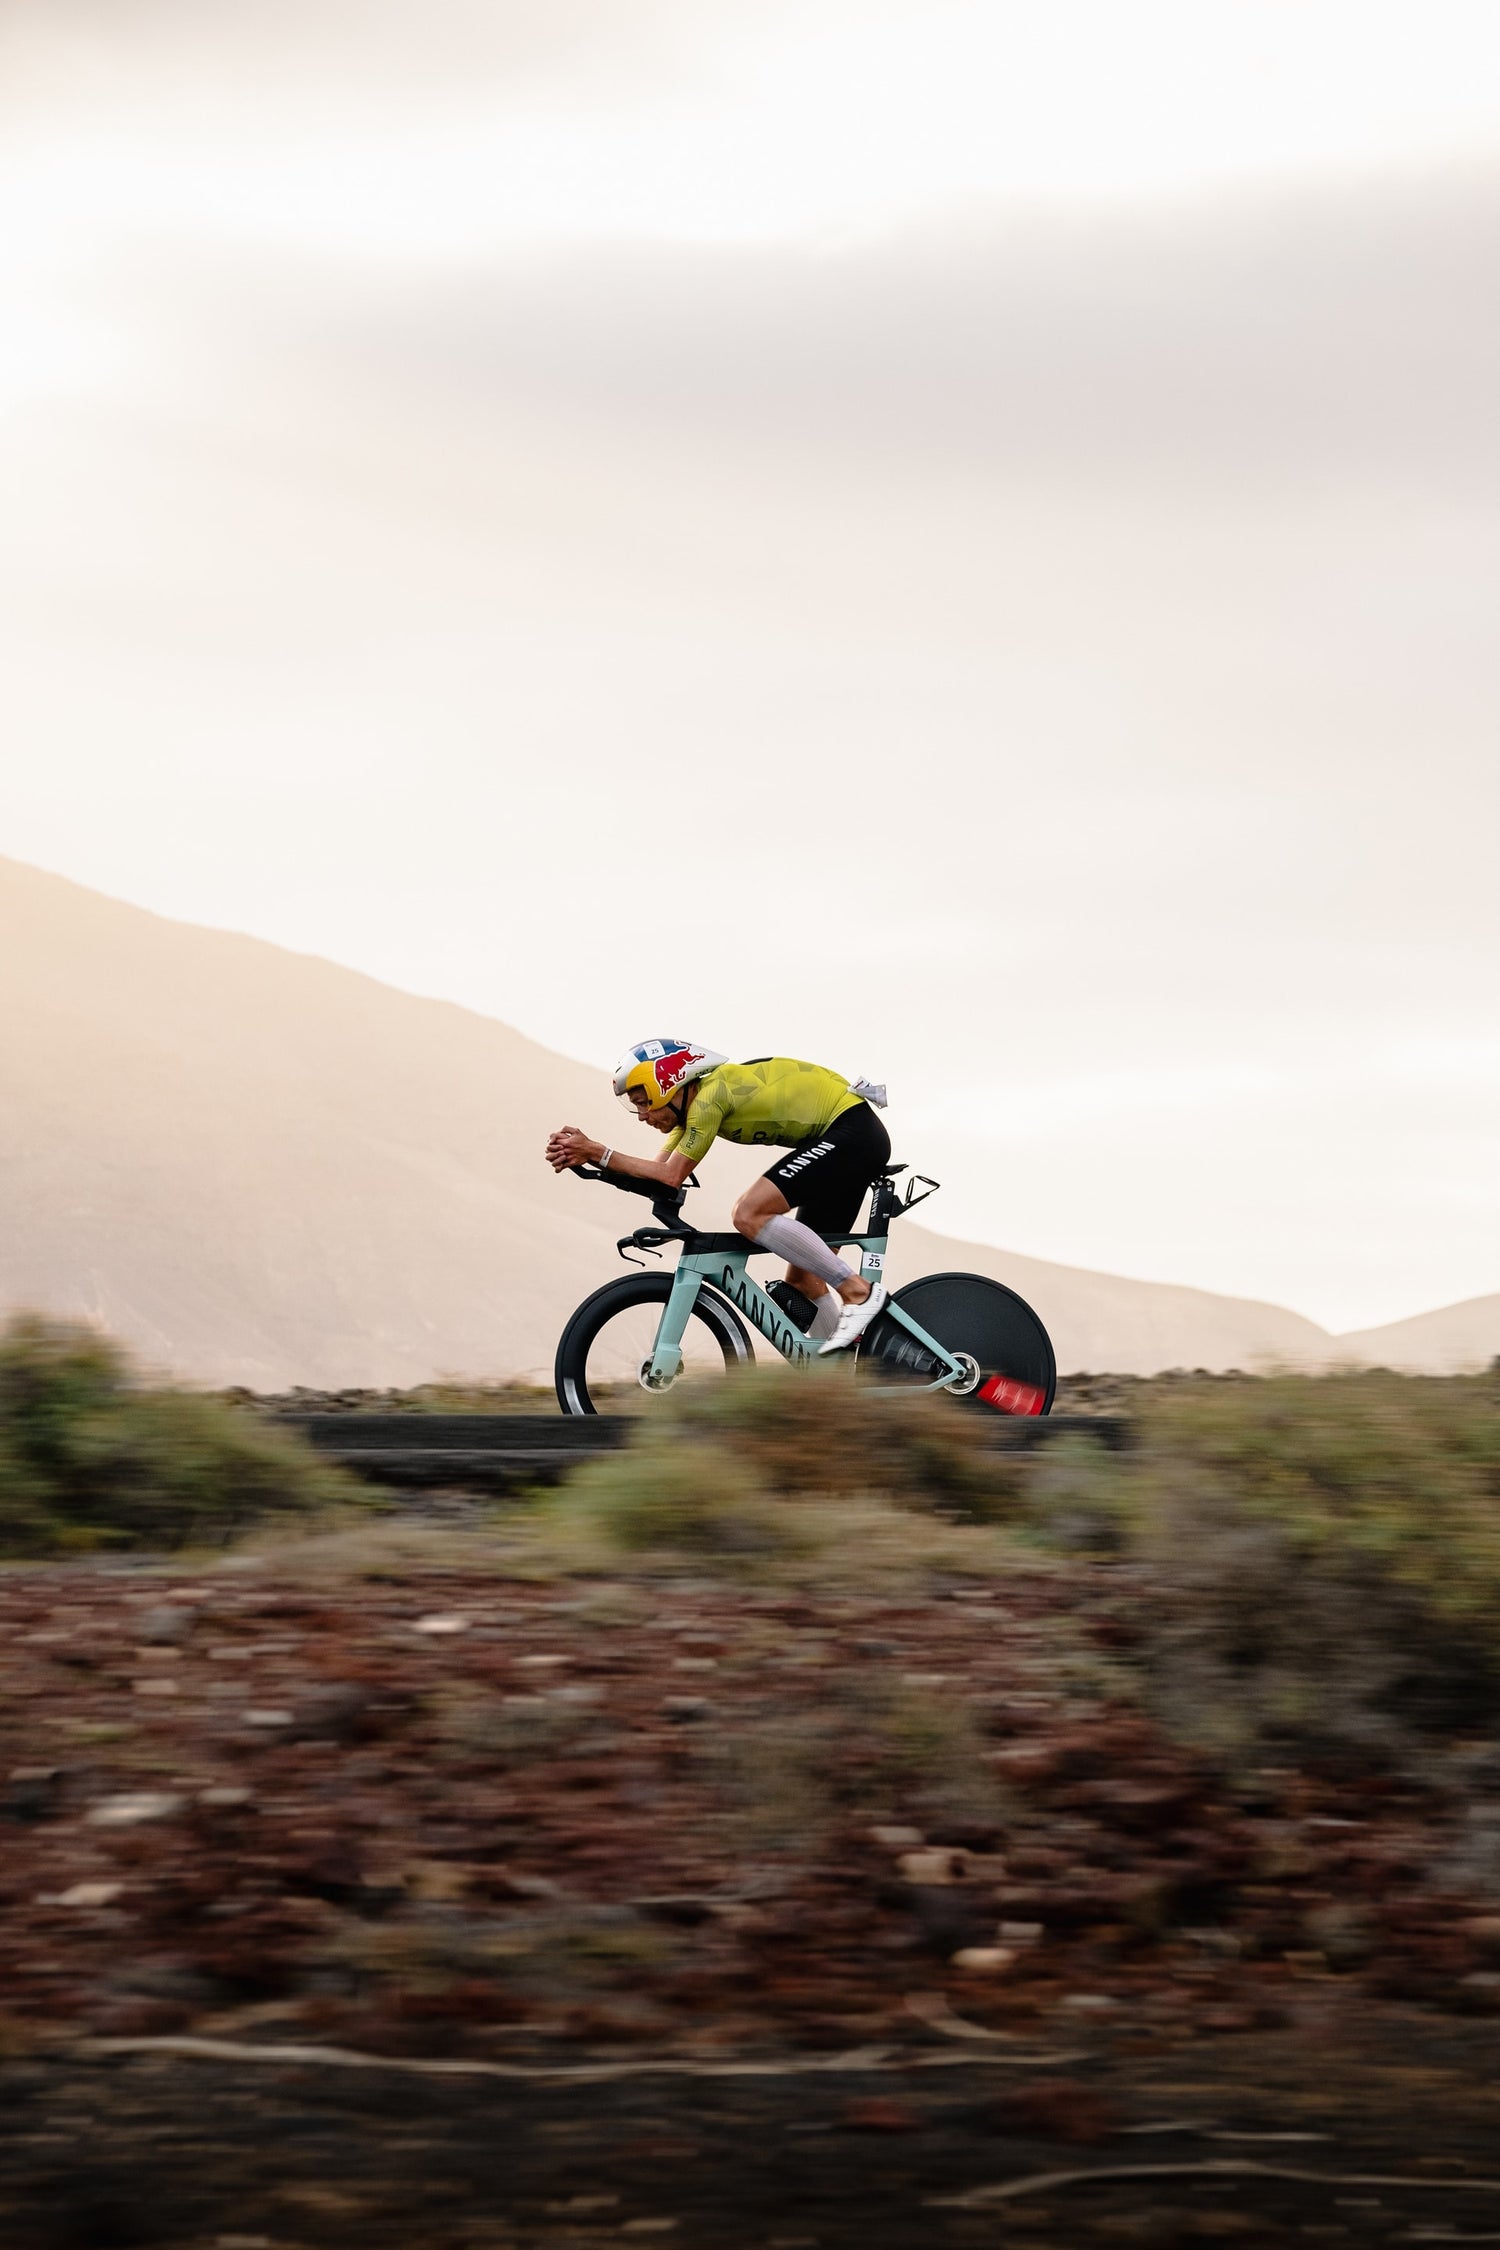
{"type": "Point", "coordinates": [627, 1295]}
{"type": "Point", "coordinates": [970, 1313]}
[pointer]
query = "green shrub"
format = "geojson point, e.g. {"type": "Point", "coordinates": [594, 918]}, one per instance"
{"type": "Point", "coordinates": [91, 1457]}
{"type": "Point", "coordinates": [1327, 1554]}
{"type": "Point", "coordinates": [824, 1431]}
{"type": "Point", "coordinates": [1400, 1472]}
{"type": "Point", "coordinates": [1316, 1558]}
{"type": "Point", "coordinates": [681, 1496]}
{"type": "Point", "coordinates": [744, 1470]}
{"type": "Point", "coordinates": [1075, 1498]}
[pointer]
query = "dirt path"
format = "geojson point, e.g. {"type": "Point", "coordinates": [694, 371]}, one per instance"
{"type": "Point", "coordinates": [1382, 2130]}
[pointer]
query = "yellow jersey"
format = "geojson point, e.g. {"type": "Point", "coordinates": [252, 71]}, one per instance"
{"type": "Point", "coordinates": [774, 1103]}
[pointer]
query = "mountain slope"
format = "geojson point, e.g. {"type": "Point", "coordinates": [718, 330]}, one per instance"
{"type": "Point", "coordinates": [256, 1167]}
{"type": "Point", "coordinates": [1446, 1342]}
{"type": "Point", "coordinates": [1102, 1321]}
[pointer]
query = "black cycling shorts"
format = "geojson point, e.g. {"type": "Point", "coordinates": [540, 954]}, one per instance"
{"type": "Point", "coordinates": [824, 1178]}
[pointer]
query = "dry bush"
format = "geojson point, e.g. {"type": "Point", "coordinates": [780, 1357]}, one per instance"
{"type": "Point", "coordinates": [665, 1493]}
{"type": "Point", "coordinates": [831, 1431]}
{"type": "Point", "coordinates": [91, 1457]}
{"type": "Point", "coordinates": [1329, 1549]}
{"type": "Point", "coordinates": [551, 1954]}
{"type": "Point", "coordinates": [779, 1466]}
{"type": "Point", "coordinates": [1074, 1498]}
{"type": "Point", "coordinates": [869, 1742]}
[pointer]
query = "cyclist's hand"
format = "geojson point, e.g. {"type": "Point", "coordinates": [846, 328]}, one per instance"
{"type": "Point", "coordinates": [569, 1146]}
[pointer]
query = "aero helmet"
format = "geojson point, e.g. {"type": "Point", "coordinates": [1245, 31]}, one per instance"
{"type": "Point", "coordinates": [660, 1066]}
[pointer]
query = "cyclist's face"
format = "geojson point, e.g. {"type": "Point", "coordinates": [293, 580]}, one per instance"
{"type": "Point", "coordinates": [660, 1120]}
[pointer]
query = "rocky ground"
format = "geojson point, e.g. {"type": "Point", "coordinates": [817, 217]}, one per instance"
{"type": "Point", "coordinates": [395, 1892]}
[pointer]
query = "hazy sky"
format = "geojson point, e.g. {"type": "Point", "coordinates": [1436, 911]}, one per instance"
{"type": "Point", "coordinates": [958, 540]}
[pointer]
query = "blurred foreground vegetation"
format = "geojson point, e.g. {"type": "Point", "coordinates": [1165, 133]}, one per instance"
{"type": "Point", "coordinates": [1327, 1553]}
{"type": "Point", "coordinates": [93, 1457]}
{"type": "Point", "coordinates": [742, 1471]}
{"type": "Point", "coordinates": [1297, 1563]}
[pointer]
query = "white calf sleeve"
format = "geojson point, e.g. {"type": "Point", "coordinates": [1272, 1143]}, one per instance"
{"type": "Point", "coordinates": [791, 1240]}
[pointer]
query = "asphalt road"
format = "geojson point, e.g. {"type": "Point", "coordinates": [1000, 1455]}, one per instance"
{"type": "Point", "coordinates": [496, 1451]}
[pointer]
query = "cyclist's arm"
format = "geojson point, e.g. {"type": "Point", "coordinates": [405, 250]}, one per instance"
{"type": "Point", "coordinates": [570, 1146]}
{"type": "Point", "coordinates": [686, 1147]}
{"type": "Point", "coordinates": [671, 1169]}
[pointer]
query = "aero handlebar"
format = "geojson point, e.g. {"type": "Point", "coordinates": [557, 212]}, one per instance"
{"type": "Point", "coordinates": [666, 1203]}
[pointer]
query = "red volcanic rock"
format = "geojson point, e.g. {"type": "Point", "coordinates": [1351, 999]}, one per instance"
{"type": "Point", "coordinates": [446, 1840]}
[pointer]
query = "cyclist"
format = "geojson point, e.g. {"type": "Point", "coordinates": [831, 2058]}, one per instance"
{"type": "Point", "coordinates": [836, 1146]}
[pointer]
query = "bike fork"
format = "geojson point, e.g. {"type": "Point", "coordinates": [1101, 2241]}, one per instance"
{"type": "Point", "coordinates": [665, 1363]}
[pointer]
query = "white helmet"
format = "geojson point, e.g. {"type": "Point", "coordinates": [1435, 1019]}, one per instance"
{"type": "Point", "coordinates": [660, 1066]}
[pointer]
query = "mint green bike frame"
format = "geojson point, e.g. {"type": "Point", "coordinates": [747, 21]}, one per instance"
{"type": "Point", "coordinates": [721, 1261]}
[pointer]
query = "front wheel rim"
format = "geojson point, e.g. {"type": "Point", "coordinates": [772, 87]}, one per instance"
{"type": "Point", "coordinates": [606, 1349]}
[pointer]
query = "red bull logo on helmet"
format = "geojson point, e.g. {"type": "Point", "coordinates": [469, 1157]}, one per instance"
{"type": "Point", "coordinates": [672, 1068]}
{"type": "Point", "coordinates": [660, 1065]}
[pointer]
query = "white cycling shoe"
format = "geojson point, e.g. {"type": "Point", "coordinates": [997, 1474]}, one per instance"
{"type": "Point", "coordinates": [854, 1320]}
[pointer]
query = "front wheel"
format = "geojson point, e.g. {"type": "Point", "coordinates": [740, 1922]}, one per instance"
{"type": "Point", "coordinates": [613, 1333]}
{"type": "Point", "coordinates": [1014, 1369]}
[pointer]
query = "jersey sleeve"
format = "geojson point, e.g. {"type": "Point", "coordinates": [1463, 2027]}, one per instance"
{"type": "Point", "coordinates": [706, 1113]}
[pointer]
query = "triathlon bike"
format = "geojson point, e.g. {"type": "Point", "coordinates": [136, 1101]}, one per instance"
{"type": "Point", "coordinates": [958, 1333]}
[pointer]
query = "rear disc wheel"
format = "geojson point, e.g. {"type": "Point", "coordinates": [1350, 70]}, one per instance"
{"type": "Point", "coordinates": [979, 1321]}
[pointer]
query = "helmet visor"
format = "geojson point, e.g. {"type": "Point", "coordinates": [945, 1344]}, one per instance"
{"type": "Point", "coordinates": [637, 1100]}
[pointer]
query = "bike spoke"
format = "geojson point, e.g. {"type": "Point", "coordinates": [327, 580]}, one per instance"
{"type": "Point", "coordinates": [611, 1340]}
{"type": "Point", "coordinates": [624, 1343]}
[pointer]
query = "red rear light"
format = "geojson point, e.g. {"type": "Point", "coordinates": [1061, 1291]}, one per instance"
{"type": "Point", "coordinates": [1007, 1396]}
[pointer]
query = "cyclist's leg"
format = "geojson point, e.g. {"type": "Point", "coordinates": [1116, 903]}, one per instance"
{"type": "Point", "coordinates": [830, 1205]}
{"type": "Point", "coordinates": [763, 1216]}
{"type": "Point", "coordinates": [825, 1176]}
{"type": "Point", "coordinates": [835, 1185]}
